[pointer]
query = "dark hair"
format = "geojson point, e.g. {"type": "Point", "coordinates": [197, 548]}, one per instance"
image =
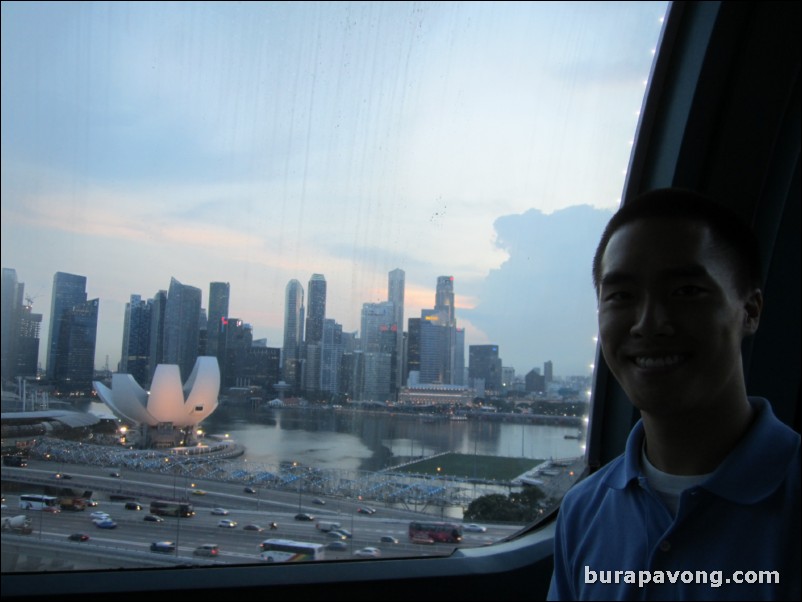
{"type": "Point", "coordinates": [736, 238]}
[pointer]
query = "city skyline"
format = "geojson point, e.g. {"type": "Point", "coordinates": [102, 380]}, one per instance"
{"type": "Point", "coordinates": [267, 142]}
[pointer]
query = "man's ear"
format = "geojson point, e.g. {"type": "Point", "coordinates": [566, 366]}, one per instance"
{"type": "Point", "coordinates": [753, 307]}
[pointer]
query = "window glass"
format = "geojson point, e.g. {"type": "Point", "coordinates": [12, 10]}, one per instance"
{"type": "Point", "coordinates": [302, 281]}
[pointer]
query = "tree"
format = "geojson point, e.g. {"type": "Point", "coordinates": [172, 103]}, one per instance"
{"type": "Point", "coordinates": [523, 506]}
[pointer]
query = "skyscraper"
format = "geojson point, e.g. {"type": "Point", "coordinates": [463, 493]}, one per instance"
{"type": "Point", "coordinates": [69, 290]}
{"type": "Point", "coordinates": [74, 365]}
{"type": "Point", "coordinates": [444, 297]}
{"type": "Point", "coordinates": [395, 295]}
{"type": "Point", "coordinates": [378, 339]}
{"type": "Point", "coordinates": [218, 309]}
{"type": "Point", "coordinates": [413, 347]}
{"type": "Point", "coordinates": [316, 310]}
{"type": "Point", "coordinates": [293, 321]}
{"type": "Point", "coordinates": [19, 330]}
{"type": "Point", "coordinates": [9, 318]}
{"type": "Point", "coordinates": [315, 315]}
{"type": "Point", "coordinates": [484, 363]}
{"type": "Point", "coordinates": [156, 349]}
{"type": "Point", "coordinates": [438, 337]}
{"type": "Point", "coordinates": [135, 354]}
{"type": "Point", "coordinates": [435, 347]}
{"type": "Point", "coordinates": [181, 332]}
{"type": "Point", "coordinates": [331, 354]}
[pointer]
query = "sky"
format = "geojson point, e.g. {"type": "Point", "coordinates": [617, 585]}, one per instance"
{"type": "Point", "coordinates": [253, 143]}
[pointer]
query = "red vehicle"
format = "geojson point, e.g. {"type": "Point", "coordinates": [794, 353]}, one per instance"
{"type": "Point", "coordinates": [437, 532]}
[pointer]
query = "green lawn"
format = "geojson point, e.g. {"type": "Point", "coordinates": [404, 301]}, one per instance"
{"type": "Point", "coordinates": [472, 466]}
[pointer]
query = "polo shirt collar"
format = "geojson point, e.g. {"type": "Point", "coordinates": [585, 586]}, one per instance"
{"type": "Point", "coordinates": [751, 472]}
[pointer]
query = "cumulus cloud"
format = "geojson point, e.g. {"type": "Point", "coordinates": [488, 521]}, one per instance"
{"type": "Point", "coordinates": [539, 305]}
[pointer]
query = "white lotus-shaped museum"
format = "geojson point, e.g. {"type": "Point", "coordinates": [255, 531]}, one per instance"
{"type": "Point", "coordinates": [167, 401]}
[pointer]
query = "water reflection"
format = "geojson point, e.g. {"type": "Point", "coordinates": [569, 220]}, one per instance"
{"type": "Point", "coordinates": [369, 440]}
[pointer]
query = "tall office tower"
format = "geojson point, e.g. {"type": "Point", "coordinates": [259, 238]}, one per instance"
{"type": "Point", "coordinates": [156, 349]}
{"type": "Point", "coordinates": [444, 297]}
{"type": "Point", "coordinates": [9, 320]}
{"type": "Point", "coordinates": [315, 315]}
{"type": "Point", "coordinates": [69, 290]}
{"type": "Point", "coordinates": [413, 347]}
{"type": "Point", "coordinates": [316, 309]}
{"type": "Point", "coordinates": [484, 363]}
{"type": "Point", "coordinates": [20, 329]}
{"type": "Point", "coordinates": [218, 309]}
{"type": "Point", "coordinates": [395, 295]}
{"type": "Point", "coordinates": [74, 366]}
{"type": "Point", "coordinates": [378, 339]}
{"type": "Point", "coordinates": [236, 339]}
{"type": "Point", "coordinates": [548, 371]}
{"type": "Point", "coordinates": [458, 377]}
{"type": "Point", "coordinates": [293, 322]}
{"type": "Point", "coordinates": [436, 347]}
{"type": "Point", "coordinates": [27, 350]}
{"type": "Point", "coordinates": [330, 357]}
{"type": "Point", "coordinates": [135, 355]}
{"type": "Point", "coordinates": [181, 318]}
{"type": "Point", "coordinates": [203, 332]}
{"type": "Point", "coordinates": [374, 377]}
{"type": "Point", "coordinates": [375, 319]}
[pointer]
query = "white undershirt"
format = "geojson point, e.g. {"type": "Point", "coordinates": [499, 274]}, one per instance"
{"type": "Point", "coordinates": [669, 486]}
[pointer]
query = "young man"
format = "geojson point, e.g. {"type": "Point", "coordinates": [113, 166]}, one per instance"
{"type": "Point", "coordinates": [705, 501]}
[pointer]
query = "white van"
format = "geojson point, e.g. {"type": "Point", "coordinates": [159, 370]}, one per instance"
{"type": "Point", "coordinates": [207, 549]}
{"type": "Point", "coordinates": [327, 525]}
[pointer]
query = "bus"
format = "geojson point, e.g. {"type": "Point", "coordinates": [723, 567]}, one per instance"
{"type": "Point", "coordinates": [437, 532]}
{"type": "Point", "coordinates": [171, 508]}
{"type": "Point", "coordinates": [37, 501]}
{"type": "Point", "coordinates": [286, 550]}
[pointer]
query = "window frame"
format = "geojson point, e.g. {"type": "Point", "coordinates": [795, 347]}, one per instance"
{"type": "Point", "coordinates": [694, 94]}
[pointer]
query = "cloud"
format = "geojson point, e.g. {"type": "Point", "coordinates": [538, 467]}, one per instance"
{"type": "Point", "coordinates": [539, 305]}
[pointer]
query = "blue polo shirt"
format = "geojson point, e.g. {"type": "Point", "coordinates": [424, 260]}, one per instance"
{"type": "Point", "coordinates": [617, 540]}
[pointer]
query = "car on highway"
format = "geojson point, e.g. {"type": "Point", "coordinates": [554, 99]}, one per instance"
{"type": "Point", "coordinates": [133, 506]}
{"type": "Point", "coordinates": [319, 501]}
{"type": "Point", "coordinates": [304, 516]}
{"type": "Point", "coordinates": [344, 532]}
{"type": "Point", "coordinates": [337, 546]}
{"type": "Point", "coordinates": [388, 539]}
{"type": "Point", "coordinates": [227, 523]}
{"type": "Point", "coordinates": [105, 524]}
{"type": "Point", "coordinates": [220, 512]}
{"type": "Point", "coordinates": [78, 537]}
{"type": "Point", "coordinates": [474, 528]}
{"type": "Point", "coordinates": [368, 552]}
{"type": "Point", "coordinates": [198, 492]}
{"type": "Point", "coordinates": [207, 549]}
{"type": "Point", "coordinates": [152, 518]}
{"type": "Point", "coordinates": [97, 514]}
{"type": "Point", "coordinates": [61, 475]}
{"type": "Point", "coordinates": [336, 535]}
{"type": "Point", "coordinates": [366, 510]}
{"type": "Point", "coordinates": [253, 527]}
{"type": "Point", "coordinates": [163, 547]}
{"type": "Point", "coordinates": [51, 509]}
{"type": "Point", "coordinates": [249, 490]}
{"type": "Point", "coordinates": [91, 503]}
{"type": "Point", "coordinates": [116, 475]}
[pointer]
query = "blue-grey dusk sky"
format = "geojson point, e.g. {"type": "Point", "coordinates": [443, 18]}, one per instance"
{"type": "Point", "coordinates": [255, 143]}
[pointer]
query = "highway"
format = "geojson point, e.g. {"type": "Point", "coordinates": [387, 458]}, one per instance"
{"type": "Point", "coordinates": [125, 545]}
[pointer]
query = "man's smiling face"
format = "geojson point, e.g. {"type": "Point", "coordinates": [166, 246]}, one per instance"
{"type": "Point", "coordinates": [671, 318]}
